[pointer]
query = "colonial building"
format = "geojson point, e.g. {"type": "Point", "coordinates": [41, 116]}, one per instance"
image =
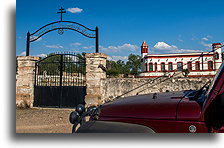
{"type": "Point", "coordinates": [203, 64]}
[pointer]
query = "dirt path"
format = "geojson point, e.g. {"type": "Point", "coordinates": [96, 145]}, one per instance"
{"type": "Point", "coordinates": [43, 120]}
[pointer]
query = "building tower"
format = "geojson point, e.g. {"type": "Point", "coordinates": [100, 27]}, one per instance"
{"type": "Point", "coordinates": [144, 52]}
{"type": "Point", "coordinates": [217, 49]}
{"type": "Point", "coordinates": [144, 49]}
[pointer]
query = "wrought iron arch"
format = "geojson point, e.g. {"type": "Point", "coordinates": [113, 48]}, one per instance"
{"type": "Point", "coordinates": [61, 26]}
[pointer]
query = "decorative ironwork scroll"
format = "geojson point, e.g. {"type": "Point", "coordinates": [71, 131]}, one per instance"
{"type": "Point", "coordinates": [62, 26]}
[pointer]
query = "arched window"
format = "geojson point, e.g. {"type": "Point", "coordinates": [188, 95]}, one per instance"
{"type": "Point", "coordinates": [150, 67]}
{"type": "Point", "coordinates": [170, 66]}
{"type": "Point", "coordinates": [179, 66]}
{"type": "Point", "coordinates": [189, 65]}
{"type": "Point", "coordinates": [197, 65]}
{"type": "Point", "coordinates": [163, 67]}
{"type": "Point", "coordinates": [155, 66]}
{"type": "Point", "coordinates": [210, 65]}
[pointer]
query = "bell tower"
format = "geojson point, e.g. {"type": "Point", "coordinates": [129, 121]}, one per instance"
{"type": "Point", "coordinates": [217, 49]}
{"type": "Point", "coordinates": [144, 49]}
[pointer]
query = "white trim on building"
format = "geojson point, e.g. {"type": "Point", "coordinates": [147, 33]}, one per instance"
{"type": "Point", "coordinates": [203, 64]}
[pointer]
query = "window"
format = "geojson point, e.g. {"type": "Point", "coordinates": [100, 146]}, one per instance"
{"type": "Point", "coordinates": [170, 66]}
{"type": "Point", "coordinates": [150, 67]}
{"type": "Point", "coordinates": [210, 65]}
{"type": "Point", "coordinates": [146, 67]}
{"type": "Point", "coordinates": [163, 67]}
{"type": "Point", "coordinates": [216, 56]}
{"type": "Point", "coordinates": [179, 66]}
{"type": "Point", "coordinates": [189, 65]}
{"type": "Point", "coordinates": [197, 65]}
{"type": "Point", "coordinates": [155, 66]}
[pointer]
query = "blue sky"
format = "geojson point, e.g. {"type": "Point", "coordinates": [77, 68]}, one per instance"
{"type": "Point", "coordinates": [172, 26]}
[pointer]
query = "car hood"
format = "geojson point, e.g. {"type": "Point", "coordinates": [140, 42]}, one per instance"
{"type": "Point", "coordinates": [161, 106]}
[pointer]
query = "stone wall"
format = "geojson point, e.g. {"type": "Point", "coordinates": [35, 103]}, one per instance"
{"type": "Point", "coordinates": [25, 81]}
{"type": "Point", "coordinates": [99, 88]}
{"type": "Point", "coordinates": [114, 87]}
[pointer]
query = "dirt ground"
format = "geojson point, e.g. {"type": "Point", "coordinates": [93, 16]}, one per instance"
{"type": "Point", "coordinates": [43, 120]}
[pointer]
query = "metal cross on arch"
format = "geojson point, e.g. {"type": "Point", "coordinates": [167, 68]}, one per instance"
{"type": "Point", "coordinates": [61, 12]}
{"type": "Point", "coordinates": [61, 26]}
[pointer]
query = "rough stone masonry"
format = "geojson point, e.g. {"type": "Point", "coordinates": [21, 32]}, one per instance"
{"type": "Point", "coordinates": [94, 77]}
{"type": "Point", "coordinates": [116, 87]}
{"type": "Point", "coordinates": [25, 81]}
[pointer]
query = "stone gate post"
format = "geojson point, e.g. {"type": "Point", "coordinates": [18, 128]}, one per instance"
{"type": "Point", "coordinates": [25, 81]}
{"type": "Point", "coordinates": [94, 76]}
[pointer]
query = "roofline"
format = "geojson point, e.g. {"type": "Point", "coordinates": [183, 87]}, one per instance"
{"type": "Point", "coordinates": [180, 54]}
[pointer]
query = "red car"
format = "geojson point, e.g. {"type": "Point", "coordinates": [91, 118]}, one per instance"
{"type": "Point", "coordinates": [193, 111]}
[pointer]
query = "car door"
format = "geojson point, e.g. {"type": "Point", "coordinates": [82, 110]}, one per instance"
{"type": "Point", "coordinates": [213, 107]}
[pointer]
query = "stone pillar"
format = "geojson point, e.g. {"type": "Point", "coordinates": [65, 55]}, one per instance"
{"type": "Point", "coordinates": [94, 75]}
{"type": "Point", "coordinates": [25, 81]}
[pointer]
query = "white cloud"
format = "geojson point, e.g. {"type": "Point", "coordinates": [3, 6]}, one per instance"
{"type": "Point", "coordinates": [205, 39]}
{"type": "Point", "coordinates": [124, 47]}
{"type": "Point", "coordinates": [22, 53]}
{"type": "Point", "coordinates": [163, 48]}
{"type": "Point", "coordinates": [55, 46]}
{"type": "Point", "coordinates": [205, 44]}
{"type": "Point", "coordinates": [75, 10]}
{"type": "Point", "coordinates": [34, 37]}
{"type": "Point", "coordinates": [76, 44]}
{"type": "Point", "coordinates": [209, 36]}
{"type": "Point", "coordinates": [41, 55]}
{"type": "Point", "coordinates": [88, 47]}
{"type": "Point", "coordinates": [179, 38]}
{"type": "Point", "coordinates": [116, 58]}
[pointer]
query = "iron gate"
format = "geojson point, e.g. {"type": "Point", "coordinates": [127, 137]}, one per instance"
{"type": "Point", "coordinates": [60, 81]}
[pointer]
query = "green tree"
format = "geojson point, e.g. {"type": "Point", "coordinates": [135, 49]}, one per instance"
{"type": "Point", "coordinates": [50, 64]}
{"type": "Point", "coordinates": [112, 68]}
{"type": "Point", "coordinates": [81, 63]}
{"type": "Point", "coordinates": [122, 67]}
{"type": "Point", "coordinates": [134, 64]}
{"type": "Point", "coordinates": [71, 64]}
